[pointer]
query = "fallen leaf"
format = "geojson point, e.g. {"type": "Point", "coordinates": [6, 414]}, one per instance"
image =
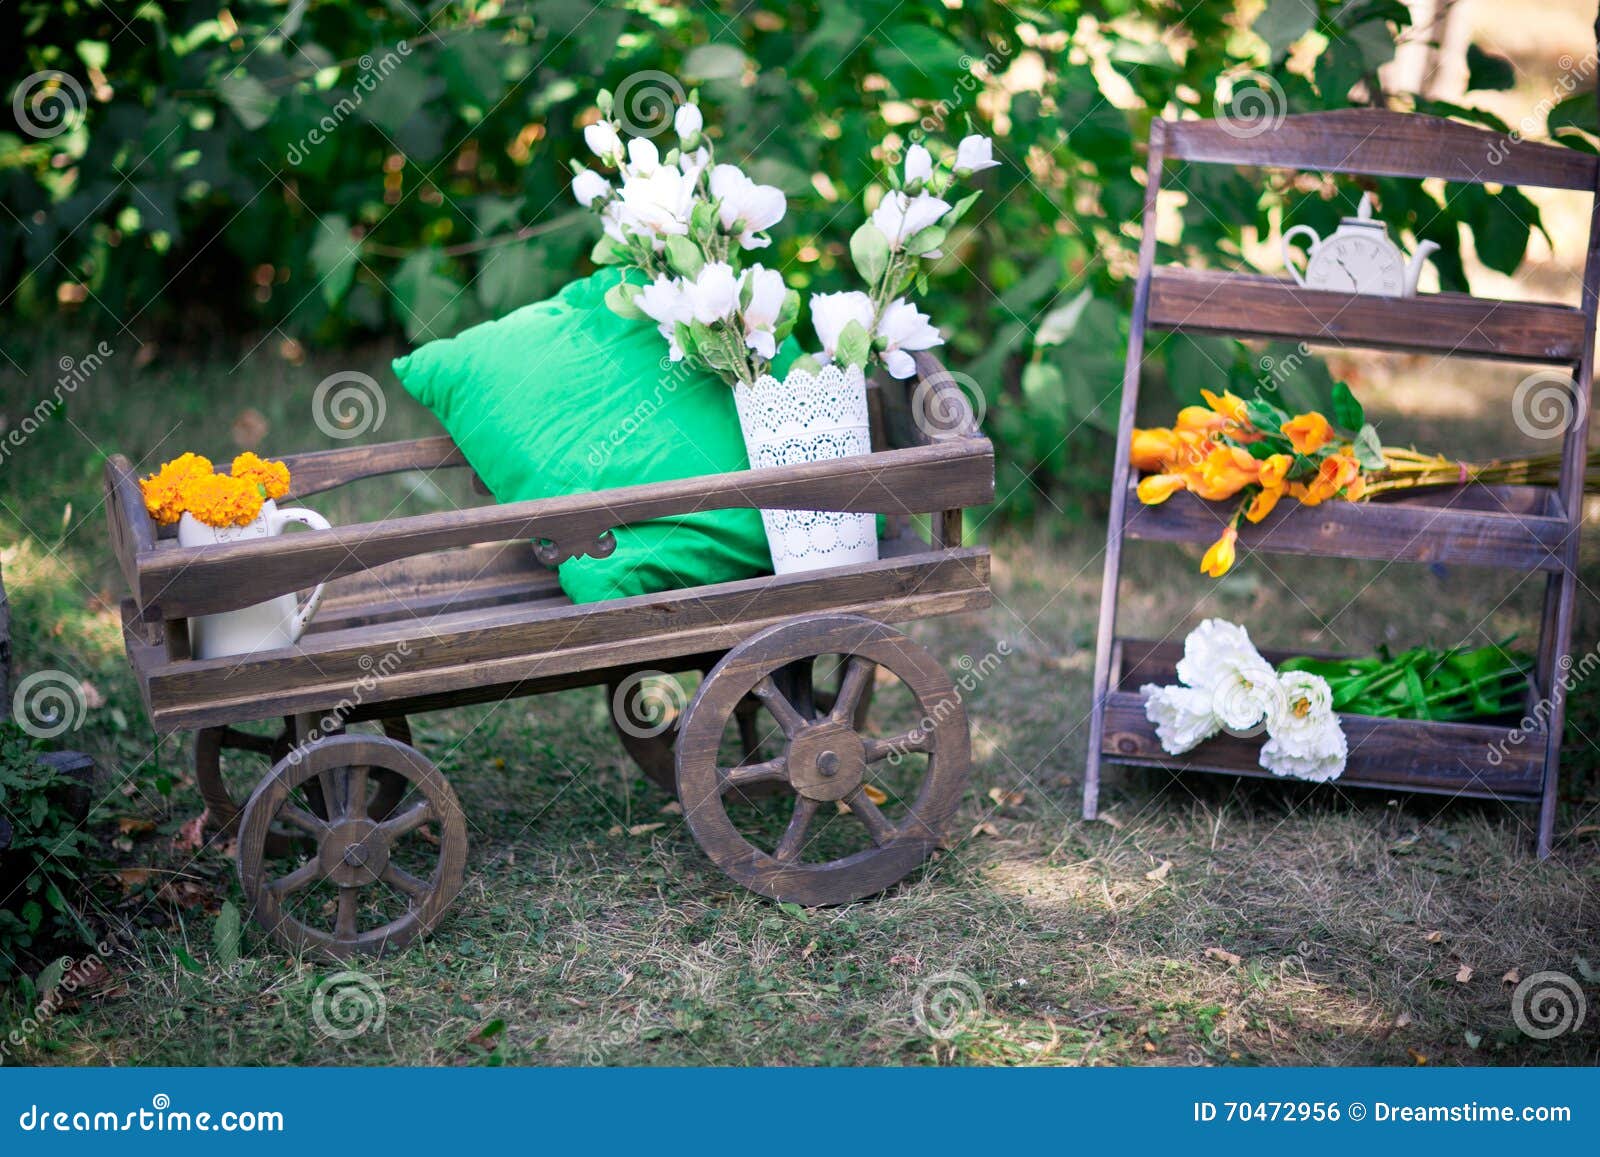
{"type": "Point", "coordinates": [1473, 1039]}
{"type": "Point", "coordinates": [1111, 821]}
{"type": "Point", "coordinates": [986, 830]}
{"type": "Point", "coordinates": [1159, 873]}
{"type": "Point", "coordinates": [644, 829]}
{"type": "Point", "coordinates": [425, 833]}
{"type": "Point", "coordinates": [810, 948]}
{"type": "Point", "coordinates": [1003, 798]}
{"type": "Point", "coordinates": [874, 794]}
{"type": "Point", "coordinates": [1514, 977]}
{"type": "Point", "coordinates": [1402, 1020]}
{"type": "Point", "coordinates": [1464, 974]}
{"type": "Point", "coordinates": [184, 893]}
{"type": "Point", "coordinates": [1222, 954]}
{"type": "Point", "coordinates": [1148, 1047]}
{"type": "Point", "coordinates": [614, 830]}
{"type": "Point", "coordinates": [133, 826]}
{"type": "Point", "coordinates": [1589, 972]}
{"type": "Point", "coordinates": [191, 836]}
{"type": "Point", "coordinates": [131, 878]}
{"type": "Point", "coordinates": [1586, 829]}
{"type": "Point", "coordinates": [1434, 937]}
{"type": "Point", "coordinates": [1416, 1057]}
{"type": "Point", "coordinates": [484, 1037]}
{"type": "Point", "coordinates": [671, 808]}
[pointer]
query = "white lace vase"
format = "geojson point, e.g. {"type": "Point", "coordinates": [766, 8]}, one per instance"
{"type": "Point", "coordinates": [809, 418]}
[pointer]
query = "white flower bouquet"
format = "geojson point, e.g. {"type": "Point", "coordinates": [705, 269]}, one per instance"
{"type": "Point", "coordinates": [1225, 685]}
{"type": "Point", "coordinates": [689, 224]}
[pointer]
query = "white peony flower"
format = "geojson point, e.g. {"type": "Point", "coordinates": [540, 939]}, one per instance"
{"type": "Point", "coordinates": [665, 302]}
{"type": "Point", "coordinates": [904, 328]}
{"type": "Point", "coordinates": [1182, 716]}
{"type": "Point", "coordinates": [714, 293]}
{"type": "Point", "coordinates": [1246, 697]}
{"type": "Point", "coordinates": [747, 208]}
{"type": "Point", "coordinates": [589, 187]}
{"type": "Point", "coordinates": [1318, 755]}
{"type": "Point", "coordinates": [919, 164]}
{"type": "Point", "coordinates": [658, 205]}
{"type": "Point", "coordinates": [767, 292]}
{"type": "Point", "coordinates": [831, 312]}
{"type": "Point", "coordinates": [899, 217]}
{"type": "Point", "coordinates": [1306, 708]}
{"type": "Point", "coordinates": [973, 155]}
{"type": "Point", "coordinates": [1214, 650]}
{"type": "Point", "coordinates": [687, 122]}
{"type": "Point", "coordinates": [603, 141]}
{"type": "Point", "coordinates": [643, 157]}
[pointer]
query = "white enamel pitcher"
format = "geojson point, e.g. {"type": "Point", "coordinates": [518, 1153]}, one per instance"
{"type": "Point", "coordinates": [275, 623]}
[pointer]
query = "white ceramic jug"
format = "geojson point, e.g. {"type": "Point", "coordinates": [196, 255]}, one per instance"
{"type": "Point", "coordinates": [275, 623]}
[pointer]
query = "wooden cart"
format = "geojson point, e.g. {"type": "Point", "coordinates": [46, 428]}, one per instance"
{"type": "Point", "coordinates": [353, 843]}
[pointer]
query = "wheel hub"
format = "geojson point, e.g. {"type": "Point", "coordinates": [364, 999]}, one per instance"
{"type": "Point", "coordinates": [827, 761]}
{"type": "Point", "coordinates": [353, 853]}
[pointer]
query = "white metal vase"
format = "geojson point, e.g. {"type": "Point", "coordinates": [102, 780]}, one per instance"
{"type": "Point", "coordinates": [265, 626]}
{"type": "Point", "coordinates": [809, 418]}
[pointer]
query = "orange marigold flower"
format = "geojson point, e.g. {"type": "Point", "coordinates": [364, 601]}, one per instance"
{"type": "Point", "coordinates": [220, 500]}
{"type": "Point", "coordinates": [164, 491]}
{"type": "Point", "coordinates": [1220, 555]}
{"type": "Point", "coordinates": [1157, 488]}
{"type": "Point", "coordinates": [1308, 433]}
{"type": "Point", "coordinates": [271, 475]}
{"type": "Point", "coordinates": [1151, 450]}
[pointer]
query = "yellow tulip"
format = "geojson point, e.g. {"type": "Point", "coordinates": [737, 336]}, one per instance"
{"type": "Point", "coordinates": [1226, 471]}
{"type": "Point", "coordinates": [1157, 488]}
{"type": "Point", "coordinates": [1152, 450]}
{"type": "Point", "coordinates": [1275, 469]}
{"type": "Point", "coordinates": [1261, 505]}
{"type": "Point", "coordinates": [1201, 420]}
{"type": "Point", "coordinates": [1219, 556]}
{"type": "Point", "coordinates": [1229, 405]}
{"type": "Point", "coordinates": [1308, 433]}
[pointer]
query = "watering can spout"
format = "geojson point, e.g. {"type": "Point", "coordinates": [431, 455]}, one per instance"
{"type": "Point", "coordinates": [1414, 270]}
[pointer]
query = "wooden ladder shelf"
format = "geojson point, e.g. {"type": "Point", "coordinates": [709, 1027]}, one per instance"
{"type": "Point", "coordinates": [1522, 528]}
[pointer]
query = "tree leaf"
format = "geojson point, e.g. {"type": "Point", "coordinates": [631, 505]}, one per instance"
{"type": "Point", "coordinates": [1347, 412]}
{"type": "Point", "coordinates": [225, 934]}
{"type": "Point", "coordinates": [430, 301]}
{"type": "Point", "coordinates": [247, 98]}
{"type": "Point", "coordinates": [684, 256]}
{"type": "Point", "coordinates": [1369, 450]}
{"type": "Point", "coordinates": [333, 257]}
{"type": "Point", "coordinates": [1283, 22]}
{"type": "Point", "coordinates": [853, 346]}
{"type": "Point", "coordinates": [1487, 72]}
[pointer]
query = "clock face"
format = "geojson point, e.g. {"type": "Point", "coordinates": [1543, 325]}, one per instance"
{"type": "Point", "coordinates": [1350, 263]}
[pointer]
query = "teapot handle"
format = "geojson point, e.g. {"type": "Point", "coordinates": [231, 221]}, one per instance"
{"type": "Point", "coordinates": [315, 521]}
{"type": "Point", "coordinates": [1288, 250]}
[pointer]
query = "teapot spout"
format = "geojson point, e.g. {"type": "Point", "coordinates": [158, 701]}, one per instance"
{"type": "Point", "coordinates": [1414, 269]}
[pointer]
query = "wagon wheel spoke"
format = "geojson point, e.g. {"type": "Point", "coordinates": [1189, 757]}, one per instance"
{"type": "Point", "coordinates": [877, 824]}
{"type": "Point", "coordinates": [788, 849]}
{"type": "Point", "coordinates": [858, 675]}
{"type": "Point", "coordinates": [344, 923]}
{"type": "Point", "coordinates": [914, 740]}
{"type": "Point", "coordinates": [768, 771]}
{"type": "Point", "coordinates": [407, 821]}
{"type": "Point", "coordinates": [305, 874]}
{"type": "Point", "coordinates": [782, 710]}
{"type": "Point", "coordinates": [353, 792]}
{"type": "Point", "coordinates": [302, 819]}
{"type": "Point", "coordinates": [398, 877]}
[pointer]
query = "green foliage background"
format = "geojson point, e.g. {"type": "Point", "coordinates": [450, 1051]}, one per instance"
{"type": "Point", "coordinates": [188, 189]}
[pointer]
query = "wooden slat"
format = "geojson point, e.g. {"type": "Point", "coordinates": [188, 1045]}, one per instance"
{"type": "Point", "coordinates": [1253, 305]}
{"type": "Point", "coordinates": [131, 529]}
{"type": "Point", "coordinates": [1426, 529]}
{"type": "Point", "coordinates": [320, 470]}
{"type": "Point", "coordinates": [919, 480]}
{"type": "Point", "coordinates": [1455, 758]}
{"type": "Point", "coordinates": [1379, 142]}
{"type": "Point", "coordinates": [506, 646]}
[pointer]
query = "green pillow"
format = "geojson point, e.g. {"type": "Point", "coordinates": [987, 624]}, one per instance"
{"type": "Point", "coordinates": [565, 397]}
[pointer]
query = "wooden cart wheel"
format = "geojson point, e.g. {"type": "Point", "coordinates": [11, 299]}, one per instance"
{"type": "Point", "coordinates": [827, 759]}
{"type": "Point", "coordinates": [366, 886]}
{"type": "Point", "coordinates": [221, 801]}
{"type": "Point", "coordinates": [651, 743]}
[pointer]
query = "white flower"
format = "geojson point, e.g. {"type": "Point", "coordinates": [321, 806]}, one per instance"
{"type": "Point", "coordinates": [657, 205]}
{"type": "Point", "coordinates": [1306, 709]}
{"type": "Point", "coordinates": [747, 208]}
{"type": "Point", "coordinates": [603, 141]}
{"type": "Point", "coordinates": [903, 328]}
{"type": "Point", "coordinates": [1246, 697]}
{"type": "Point", "coordinates": [767, 292]}
{"type": "Point", "coordinates": [589, 187]}
{"type": "Point", "coordinates": [665, 302]}
{"type": "Point", "coordinates": [831, 312]}
{"type": "Point", "coordinates": [973, 155]}
{"type": "Point", "coordinates": [919, 164]}
{"type": "Point", "coordinates": [714, 293]}
{"type": "Point", "coordinates": [1214, 650]}
{"type": "Point", "coordinates": [643, 157]}
{"type": "Point", "coordinates": [1182, 716]}
{"type": "Point", "coordinates": [899, 217]}
{"type": "Point", "coordinates": [694, 163]}
{"type": "Point", "coordinates": [687, 122]}
{"type": "Point", "coordinates": [1319, 755]}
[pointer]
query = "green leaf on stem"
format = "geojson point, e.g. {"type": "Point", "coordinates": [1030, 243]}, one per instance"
{"type": "Point", "coordinates": [869, 250]}
{"type": "Point", "coordinates": [854, 345]}
{"type": "Point", "coordinates": [620, 300]}
{"type": "Point", "coordinates": [684, 256]}
{"type": "Point", "coordinates": [925, 241]}
{"type": "Point", "coordinates": [1369, 450]}
{"type": "Point", "coordinates": [1347, 412]}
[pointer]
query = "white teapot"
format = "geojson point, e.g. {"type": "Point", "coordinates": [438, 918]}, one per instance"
{"type": "Point", "coordinates": [1357, 258]}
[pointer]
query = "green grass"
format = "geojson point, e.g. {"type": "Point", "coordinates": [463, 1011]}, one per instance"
{"type": "Point", "coordinates": [1351, 914]}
